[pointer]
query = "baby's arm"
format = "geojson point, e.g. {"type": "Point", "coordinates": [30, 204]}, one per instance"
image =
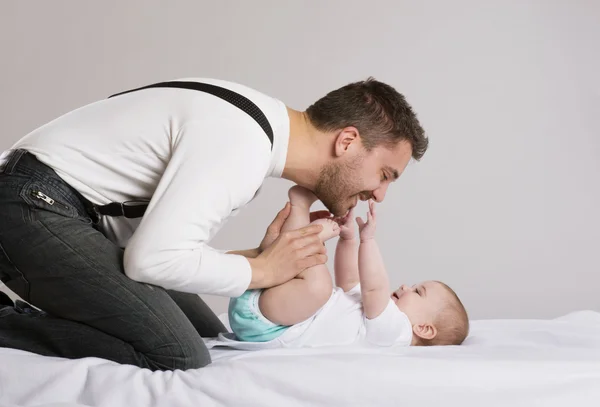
{"type": "Point", "coordinates": [374, 282]}
{"type": "Point", "coordinates": [346, 255]}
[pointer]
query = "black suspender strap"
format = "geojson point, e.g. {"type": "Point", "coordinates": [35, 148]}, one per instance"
{"type": "Point", "coordinates": [230, 96]}
{"type": "Point", "coordinates": [136, 209]}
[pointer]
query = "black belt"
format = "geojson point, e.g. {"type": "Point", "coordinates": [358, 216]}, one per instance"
{"type": "Point", "coordinates": [136, 209]}
{"type": "Point", "coordinates": [129, 209]}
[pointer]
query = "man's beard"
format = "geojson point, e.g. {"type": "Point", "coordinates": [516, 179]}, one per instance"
{"type": "Point", "coordinates": [337, 185]}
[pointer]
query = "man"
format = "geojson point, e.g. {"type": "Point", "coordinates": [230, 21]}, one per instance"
{"type": "Point", "coordinates": [114, 284]}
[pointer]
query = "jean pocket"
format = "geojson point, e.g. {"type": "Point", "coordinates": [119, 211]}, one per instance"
{"type": "Point", "coordinates": [40, 196]}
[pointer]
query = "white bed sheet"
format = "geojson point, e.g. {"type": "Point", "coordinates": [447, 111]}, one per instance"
{"type": "Point", "coordinates": [503, 363]}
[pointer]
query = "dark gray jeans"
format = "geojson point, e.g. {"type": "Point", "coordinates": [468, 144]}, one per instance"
{"type": "Point", "coordinates": [53, 256]}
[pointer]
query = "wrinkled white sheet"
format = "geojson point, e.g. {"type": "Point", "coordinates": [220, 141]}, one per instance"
{"type": "Point", "coordinates": [503, 363]}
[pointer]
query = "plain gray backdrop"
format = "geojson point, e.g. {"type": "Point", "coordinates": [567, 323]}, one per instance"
{"type": "Point", "coordinates": [504, 207]}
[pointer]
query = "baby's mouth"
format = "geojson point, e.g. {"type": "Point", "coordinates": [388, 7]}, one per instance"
{"type": "Point", "coordinates": [395, 296]}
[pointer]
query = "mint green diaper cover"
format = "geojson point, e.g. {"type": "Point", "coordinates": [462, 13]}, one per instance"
{"type": "Point", "coordinates": [248, 323]}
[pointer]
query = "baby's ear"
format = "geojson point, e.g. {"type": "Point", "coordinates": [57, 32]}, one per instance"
{"type": "Point", "coordinates": [425, 331]}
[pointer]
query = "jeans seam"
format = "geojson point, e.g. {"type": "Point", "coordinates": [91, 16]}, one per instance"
{"type": "Point", "coordinates": [18, 271]}
{"type": "Point", "coordinates": [93, 266]}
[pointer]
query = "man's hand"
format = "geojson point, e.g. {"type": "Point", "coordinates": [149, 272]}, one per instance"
{"type": "Point", "coordinates": [274, 228]}
{"type": "Point", "coordinates": [346, 225]}
{"type": "Point", "coordinates": [290, 254]}
{"type": "Point", "coordinates": [367, 229]}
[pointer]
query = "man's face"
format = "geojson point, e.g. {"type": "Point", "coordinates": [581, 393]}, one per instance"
{"type": "Point", "coordinates": [362, 175]}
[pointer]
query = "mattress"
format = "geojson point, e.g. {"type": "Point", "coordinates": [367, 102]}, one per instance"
{"type": "Point", "coordinates": [502, 363]}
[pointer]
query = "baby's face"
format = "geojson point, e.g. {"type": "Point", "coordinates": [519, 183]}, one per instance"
{"type": "Point", "coordinates": [421, 302]}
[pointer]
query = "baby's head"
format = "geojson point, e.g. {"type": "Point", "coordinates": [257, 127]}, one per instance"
{"type": "Point", "coordinates": [435, 313]}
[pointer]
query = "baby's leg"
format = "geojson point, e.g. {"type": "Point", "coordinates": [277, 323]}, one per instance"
{"type": "Point", "coordinates": [301, 200]}
{"type": "Point", "coordinates": [299, 298]}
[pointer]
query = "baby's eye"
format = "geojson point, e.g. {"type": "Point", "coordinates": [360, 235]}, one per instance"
{"type": "Point", "coordinates": [418, 292]}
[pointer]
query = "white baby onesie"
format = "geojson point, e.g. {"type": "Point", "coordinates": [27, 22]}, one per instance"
{"type": "Point", "coordinates": [340, 321]}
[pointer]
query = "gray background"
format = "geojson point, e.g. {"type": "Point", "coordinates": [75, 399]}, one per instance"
{"type": "Point", "coordinates": [505, 205]}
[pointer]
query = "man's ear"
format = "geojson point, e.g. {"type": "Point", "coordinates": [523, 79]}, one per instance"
{"type": "Point", "coordinates": [347, 139]}
{"type": "Point", "coordinates": [425, 331]}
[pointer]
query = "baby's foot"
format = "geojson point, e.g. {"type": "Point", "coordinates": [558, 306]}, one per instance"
{"type": "Point", "coordinates": [330, 229]}
{"type": "Point", "coordinates": [301, 197]}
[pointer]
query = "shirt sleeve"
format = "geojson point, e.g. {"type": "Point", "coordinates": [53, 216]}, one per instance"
{"type": "Point", "coordinates": [216, 166]}
{"type": "Point", "coordinates": [391, 327]}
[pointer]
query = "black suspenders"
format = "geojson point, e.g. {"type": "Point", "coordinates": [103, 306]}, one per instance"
{"type": "Point", "coordinates": [136, 209]}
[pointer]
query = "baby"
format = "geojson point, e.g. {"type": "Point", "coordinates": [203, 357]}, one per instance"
{"type": "Point", "coordinates": [308, 311]}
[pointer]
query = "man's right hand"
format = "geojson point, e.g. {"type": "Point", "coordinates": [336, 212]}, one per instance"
{"type": "Point", "coordinates": [275, 227]}
{"type": "Point", "coordinates": [290, 254]}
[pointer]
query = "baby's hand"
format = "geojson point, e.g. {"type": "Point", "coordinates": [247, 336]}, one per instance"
{"type": "Point", "coordinates": [367, 230]}
{"type": "Point", "coordinates": [346, 225]}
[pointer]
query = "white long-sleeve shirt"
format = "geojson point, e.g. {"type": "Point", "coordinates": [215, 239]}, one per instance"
{"type": "Point", "coordinates": [197, 157]}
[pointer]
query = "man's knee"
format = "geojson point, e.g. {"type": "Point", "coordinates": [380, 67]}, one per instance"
{"type": "Point", "coordinates": [193, 361]}
{"type": "Point", "coordinates": [182, 356]}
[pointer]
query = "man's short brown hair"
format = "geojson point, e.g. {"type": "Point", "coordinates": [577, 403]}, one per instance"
{"type": "Point", "coordinates": [381, 115]}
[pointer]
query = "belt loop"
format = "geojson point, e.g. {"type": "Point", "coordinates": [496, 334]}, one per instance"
{"type": "Point", "coordinates": [13, 159]}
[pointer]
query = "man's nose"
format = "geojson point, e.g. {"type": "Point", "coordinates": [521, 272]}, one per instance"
{"type": "Point", "coordinates": [379, 193]}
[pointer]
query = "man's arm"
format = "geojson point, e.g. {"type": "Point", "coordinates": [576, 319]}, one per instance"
{"type": "Point", "coordinates": [206, 178]}
{"type": "Point", "coordinates": [374, 281]}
